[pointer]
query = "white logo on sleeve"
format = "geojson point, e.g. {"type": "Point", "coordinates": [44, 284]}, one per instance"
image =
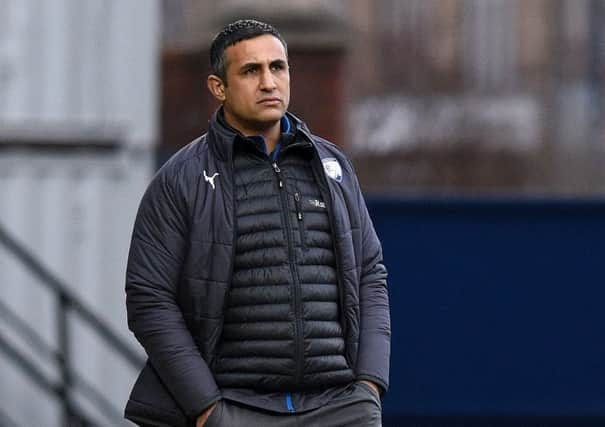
{"type": "Point", "coordinates": [332, 168]}
{"type": "Point", "coordinates": [210, 179]}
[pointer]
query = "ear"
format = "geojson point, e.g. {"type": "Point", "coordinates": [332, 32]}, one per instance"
{"type": "Point", "coordinates": [216, 87]}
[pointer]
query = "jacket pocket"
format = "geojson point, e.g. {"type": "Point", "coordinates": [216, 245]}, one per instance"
{"type": "Point", "coordinates": [215, 417]}
{"type": "Point", "coordinates": [151, 404]}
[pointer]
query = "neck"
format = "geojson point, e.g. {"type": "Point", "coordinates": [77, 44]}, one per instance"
{"type": "Point", "coordinates": [270, 133]}
{"type": "Point", "coordinates": [271, 136]}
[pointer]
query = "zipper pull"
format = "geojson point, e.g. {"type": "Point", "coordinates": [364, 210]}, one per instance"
{"type": "Point", "coordinates": [299, 213]}
{"type": "Point", "coordinates": [277, 170]}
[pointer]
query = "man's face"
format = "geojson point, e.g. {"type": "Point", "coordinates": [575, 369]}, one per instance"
{"type": "Point", "coordinates": [257, 87]}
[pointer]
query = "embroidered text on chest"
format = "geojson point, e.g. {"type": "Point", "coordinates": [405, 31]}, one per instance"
{"type": "Point", "coordinates": [317, 203]}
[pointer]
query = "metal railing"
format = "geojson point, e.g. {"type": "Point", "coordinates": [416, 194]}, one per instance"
{"type": "Point", "coordinates": [69, 380]}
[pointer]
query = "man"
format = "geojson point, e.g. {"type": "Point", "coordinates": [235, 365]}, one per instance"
{"type": "Point", "coordinates": [255, 280]}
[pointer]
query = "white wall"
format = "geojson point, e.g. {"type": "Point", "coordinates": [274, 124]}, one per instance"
{"type": "Point", "coordinates": [73, 72]}
{"type": "Point", "coordinates": [90, 65]}
{"type": "Point", "coordinates": [74, 213]}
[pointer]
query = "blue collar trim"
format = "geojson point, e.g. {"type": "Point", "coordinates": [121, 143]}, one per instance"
{"type": "Point", "coordinates": [286, 126]}
{"type": "Point", "coordinates": [276, 151]}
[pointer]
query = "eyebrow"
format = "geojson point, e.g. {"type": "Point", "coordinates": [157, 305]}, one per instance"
{"type": "Point", "coordinates": [278, 62]}
{"type": "Point", "coordinates": [249, 65]}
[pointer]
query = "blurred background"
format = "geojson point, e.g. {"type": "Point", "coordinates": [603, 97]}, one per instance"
{"type": "Point", "coordinates": [477, 130]}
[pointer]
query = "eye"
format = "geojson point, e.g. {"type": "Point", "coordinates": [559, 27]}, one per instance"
{"type": "Point", "coordinates": [250, 71]}
{"type": "Point", "coordinates": [278, 67]}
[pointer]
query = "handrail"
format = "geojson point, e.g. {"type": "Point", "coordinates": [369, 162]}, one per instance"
{"type": "Point", "coordinates": [66, 301]}
{"type": "Point", "coordinates": [28, 333]}
{"type": "Point", "coordinates": [63, 292]}
{"type": "Point", "coordinates": [30, 369]}
{"type": "Point", "coordinates": [6, 421]}
{"type": "Point", "coordinates": [37, 342]}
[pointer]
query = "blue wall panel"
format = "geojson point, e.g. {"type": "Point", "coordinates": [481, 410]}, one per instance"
{"type": "Point", "coordinates": [498, 307]}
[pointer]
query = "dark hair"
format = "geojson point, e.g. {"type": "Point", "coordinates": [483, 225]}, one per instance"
{"type": "Point", "coordinates": [237, 31]}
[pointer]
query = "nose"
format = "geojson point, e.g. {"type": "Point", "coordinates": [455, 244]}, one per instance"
{"type": "Point", "coordinates": [267, 81]}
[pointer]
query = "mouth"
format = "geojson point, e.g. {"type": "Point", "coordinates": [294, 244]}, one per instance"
{"type": "Point", "coordinates": [270, 101]}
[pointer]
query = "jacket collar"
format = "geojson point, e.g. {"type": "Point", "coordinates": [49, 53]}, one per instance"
{"type": "Point", "coordinates": [222, 137]}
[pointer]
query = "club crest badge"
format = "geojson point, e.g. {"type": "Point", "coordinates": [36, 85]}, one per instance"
{"type": "Point", "coordinates": [332, 168]}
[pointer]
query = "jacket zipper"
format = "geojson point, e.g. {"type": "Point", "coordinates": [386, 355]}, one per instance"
{"type": "Point", "coordinates": [301, 220]}
{"type": "Point", "coordinates": [298, 329]}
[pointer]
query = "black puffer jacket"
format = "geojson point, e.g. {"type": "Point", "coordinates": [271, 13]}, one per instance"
{"type": "Point", "coordinates": [282, 328]}
{"type": "Point", "coordinates": [180, 268]}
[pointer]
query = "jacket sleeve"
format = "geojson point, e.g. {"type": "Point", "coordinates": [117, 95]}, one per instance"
{"type": "Point", "coordinates": [157, 252]}
{"type": "Point", "coordinates": [375, 323]}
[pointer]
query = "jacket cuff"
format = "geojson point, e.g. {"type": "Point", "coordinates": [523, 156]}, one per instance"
{"type": "Point", "coordinates": [382, 386]}
{"type": "Point", "coordinates": [193, 416]}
